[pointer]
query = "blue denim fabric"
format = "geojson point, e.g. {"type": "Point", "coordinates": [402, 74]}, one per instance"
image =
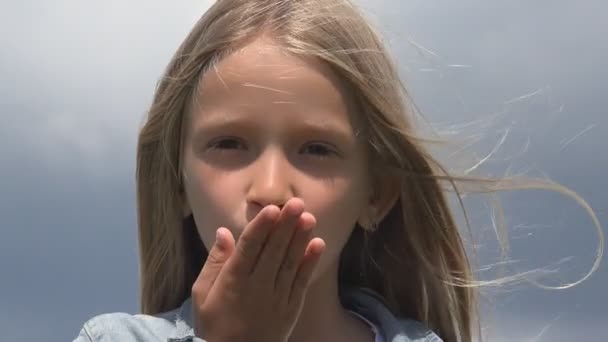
{"type": "Point", "coordinates": [176, 325]}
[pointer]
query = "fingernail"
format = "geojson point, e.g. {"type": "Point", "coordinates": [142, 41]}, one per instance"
{"type": "Point", "coordinates": [218, 239]}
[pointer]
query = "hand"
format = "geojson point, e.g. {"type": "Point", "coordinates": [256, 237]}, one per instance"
{"type": "Point", "coordinates": [256, 289]}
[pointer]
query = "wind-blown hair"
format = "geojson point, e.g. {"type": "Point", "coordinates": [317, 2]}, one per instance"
{"type": "Point", "coordinates": [416, 259]}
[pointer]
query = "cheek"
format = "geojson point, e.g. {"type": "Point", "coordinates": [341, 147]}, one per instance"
{"type": "Point", "coordinates": [214, 201]}
{"type": "Point", "coordinates": [337, 208]}
{"type": "Point", "coordinates": [337, 202]}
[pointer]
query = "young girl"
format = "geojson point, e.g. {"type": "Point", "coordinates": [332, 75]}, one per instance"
{"type": "Point", "coordinates": [282, 194]}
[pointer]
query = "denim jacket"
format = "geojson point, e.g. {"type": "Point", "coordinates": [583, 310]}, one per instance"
{"type": "Point", "coordinates": [176, 325]}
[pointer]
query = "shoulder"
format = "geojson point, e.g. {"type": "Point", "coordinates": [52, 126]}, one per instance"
{"type": "Point", "coordinates": [392, 328]}
{"type": "Point", "coordinates": [121, 326]}
{"type": "Point", "coordinates": [417, 331]}
{"type": "Point", "coordinates": [126, 327]}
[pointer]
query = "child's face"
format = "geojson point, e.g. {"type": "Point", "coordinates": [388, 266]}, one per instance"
{"type": "Point", "coordinates": [268, 127]}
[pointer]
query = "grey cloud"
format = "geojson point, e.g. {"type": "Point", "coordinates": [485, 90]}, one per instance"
{"type": "Point", "coordinates": [77, 79]}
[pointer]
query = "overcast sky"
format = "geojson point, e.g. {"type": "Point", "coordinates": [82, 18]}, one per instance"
{"type": "Point", "coordinates": [77, 77]}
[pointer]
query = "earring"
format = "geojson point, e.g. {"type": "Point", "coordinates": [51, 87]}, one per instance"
{"type": "Point", "coordinates": [372, 228]}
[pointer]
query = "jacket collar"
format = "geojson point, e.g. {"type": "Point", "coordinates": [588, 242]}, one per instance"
{"type": "Point", "coordinates": [184, 330]}
{"type": "Point", "coordinates": [363, 301]}
{"type": "Point", "coordinates": [372, 306]}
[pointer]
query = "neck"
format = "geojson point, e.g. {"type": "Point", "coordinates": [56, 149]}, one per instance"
{"type": "Point", "coordinates": [323, 318]}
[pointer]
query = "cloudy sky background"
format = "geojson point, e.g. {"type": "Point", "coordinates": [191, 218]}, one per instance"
{"type": "Point", "coordinates": [77, 78]}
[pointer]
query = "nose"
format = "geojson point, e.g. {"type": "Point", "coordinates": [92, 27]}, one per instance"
{"type": "Point", "coordinates": [270, 179]}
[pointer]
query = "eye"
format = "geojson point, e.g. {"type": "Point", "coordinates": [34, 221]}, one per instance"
{"type": "Point", "coordinates": [226, 144]}
{"type": "Point", "coordinates": [320, 150]}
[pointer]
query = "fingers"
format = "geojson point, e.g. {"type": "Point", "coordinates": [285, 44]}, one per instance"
{"type": "Point", "coordinates": [295, 253]}
{"type": "Point", "coordinates": [218, 255]}
{"type": "Point", "coordinates": [252, 240]}
{"type": "Point", "coordinates": [275, 249]}
{"type": "Point", "coordinates": [302, 280]}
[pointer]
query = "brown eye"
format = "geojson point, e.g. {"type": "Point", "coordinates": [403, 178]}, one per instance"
{"type": "Point", "coordinates": [226, 144]}
{"type": "Point", "coordinates": [319, 150]}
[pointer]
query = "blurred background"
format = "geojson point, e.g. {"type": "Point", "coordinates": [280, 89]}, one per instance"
{"type": "Point", "coordinates": [520, 86]}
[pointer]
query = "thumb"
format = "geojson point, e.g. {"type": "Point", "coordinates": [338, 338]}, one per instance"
{"type": "Point", "coordinates": [217, 257]}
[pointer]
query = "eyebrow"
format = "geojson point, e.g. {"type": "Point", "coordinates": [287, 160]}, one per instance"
{"type": "Point", "coordinates": [226, 121]}
{"type": "Point", "coordinates": [329, 127]}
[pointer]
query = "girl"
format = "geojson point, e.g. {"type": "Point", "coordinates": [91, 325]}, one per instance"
{"type": "Point", "coordinates": [282, 195]}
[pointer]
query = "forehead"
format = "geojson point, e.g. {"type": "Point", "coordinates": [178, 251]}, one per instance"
{"type": "Point", "coordinates": [262, 77]}
{"type": "Point", "coordinates": [265, 61]}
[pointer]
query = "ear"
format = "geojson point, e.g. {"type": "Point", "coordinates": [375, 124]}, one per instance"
{"type": "Point", "coordinates": [385, 193]}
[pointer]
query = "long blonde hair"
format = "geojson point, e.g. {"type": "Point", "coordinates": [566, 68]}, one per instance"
{"type": "Point", "coordinates": [416, 259]}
